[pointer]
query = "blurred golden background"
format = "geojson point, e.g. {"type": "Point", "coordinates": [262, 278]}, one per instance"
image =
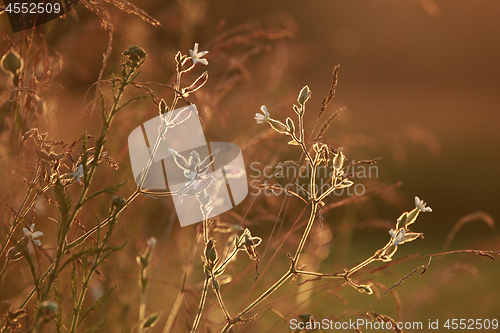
{"type": "Point", "coordinates": [419, 80]}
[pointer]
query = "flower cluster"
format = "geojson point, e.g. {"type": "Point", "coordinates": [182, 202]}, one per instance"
{"type": "Point", "coordinates": [401, 234]}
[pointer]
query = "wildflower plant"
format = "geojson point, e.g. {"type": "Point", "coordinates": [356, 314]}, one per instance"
{"type": "Point", "coordinates": [316, 155]}
{"type": "Point", "coordinates": [58, 169]}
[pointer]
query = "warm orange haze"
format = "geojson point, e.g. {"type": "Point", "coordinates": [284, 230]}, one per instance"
{"type": "Point", "coordinates": [222, 166]}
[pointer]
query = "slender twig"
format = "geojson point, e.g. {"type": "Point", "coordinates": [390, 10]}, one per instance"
{"type": "Point", "coordinates": [182, 291]}
{"type": "Point", "coordinates": [202, 304]}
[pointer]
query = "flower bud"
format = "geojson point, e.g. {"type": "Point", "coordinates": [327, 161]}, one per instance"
{"type": "Point", "coordinates": [345, 183]}
{"type": "Point", "coordinates": [162, 107]}
{"type": "Point", "coordinates": [297, 109]}
{"type": "Point", "coordinates": [211, 256]}
{"type": "Point", "coordinates": [182, 116]}
{"type": "Point", "coordinates": [134, 54]}
{"type": "Point", "coordinates": [412, 217]}
{"type": "Point", "coordinates": [304, 95]}
{"type": "Point", "coordinates": [48, 308]}
{"type": "Point", "coordinates": [338, 160]}
{"type": "Point", "coordinates": [291, 125]}
{"type": "Point", "coordinates": [118, 203]}
{"type": "Point", "coordinates": [366, 288]}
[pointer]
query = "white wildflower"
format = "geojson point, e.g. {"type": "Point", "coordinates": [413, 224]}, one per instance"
{"type": "Point", "coordinates": [262, 118]}
{"type": "Point", "coordinates": [421, 205]}
{"type": "Point", "coordinates": [399, 237]}
{"type": "Point", "coordinates": [197, 185]}
{"type": "Point", "coordinates": [152, 242]}
{"type": "Point", "coordinates": [79, 174]}
{"type": "Point", "coordinates": [196, 56]}
{"type": "Point", "coordinates": [403, 237]}
{"type": "Point", "coordinates": [31, 233]}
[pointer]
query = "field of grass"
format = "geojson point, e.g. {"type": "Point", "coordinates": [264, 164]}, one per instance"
{"type": "Point", "coordinates": [349, 115]}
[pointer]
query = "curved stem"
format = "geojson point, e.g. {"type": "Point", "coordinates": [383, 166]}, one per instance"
{"type": "Point", "coordinates": [19, 216]}
{"type": "Point", "coordinates": [268, 292]}
{"type": "Point", "coordinates": [182, 291]}
{"type": "Point", "coordinates": [202, 304]}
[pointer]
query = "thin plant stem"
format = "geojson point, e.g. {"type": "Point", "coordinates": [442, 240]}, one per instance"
{"type": "Point", "coordinates": [202, 304]}
{"type": "Point", "coordinates": [182, 291]}
{"type": "Point", "coordinates": [142, 307]}
{"type": "Point", "coordinates": [306, 232]}
{"type": "Point", "coordinates": [315, 202]}
{"type": "Point", "coordinates": [282, 280]}
{"type": "Point", "coordinates": [205, 227]}
{"type": "Point", "coordinates": [268, 292]}
{"type": "Point", "coordinates": [219, 297]}
{"type": "Point", "coordinates": [19, 216]}
{"type": "Point", "coordinates": [61, 248]}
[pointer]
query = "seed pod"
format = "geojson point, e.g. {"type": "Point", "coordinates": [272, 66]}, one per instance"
{"type": "Point", "coordinates": [291, 125]}
{"type": "Point", "coordinates": [11, 62]}
{"type": "Point", "coordinates": [200, 82]}
{"type": "Point", "coordinates": [278, 126]}
{"type": "Point", "coordinates": [181, 116]}
{"type": "Point", "coordinates": [412, 217]}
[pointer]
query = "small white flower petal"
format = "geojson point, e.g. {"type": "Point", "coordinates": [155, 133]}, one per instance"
{"type": "Point", "coordinates": [26, 232]}
{"type": "Point", "coordinates": [36, 234]}
{"type": "Point", "coordinates": [263, 108]}
{"type": "Point", "coordinates": [37, 242]}
{"type": "Point", "coordinates": [203, 61]}
{"type": "Point", "coordinates": [421, 205]}
{"type": "Point", "coordinates": [32, 227]}
{"type": "Point", "coordinates": [261, 118]}
{"type": "Point", "coordinates": [196, 56]}
{"type": "Point", "coordinates": [399, 238]}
